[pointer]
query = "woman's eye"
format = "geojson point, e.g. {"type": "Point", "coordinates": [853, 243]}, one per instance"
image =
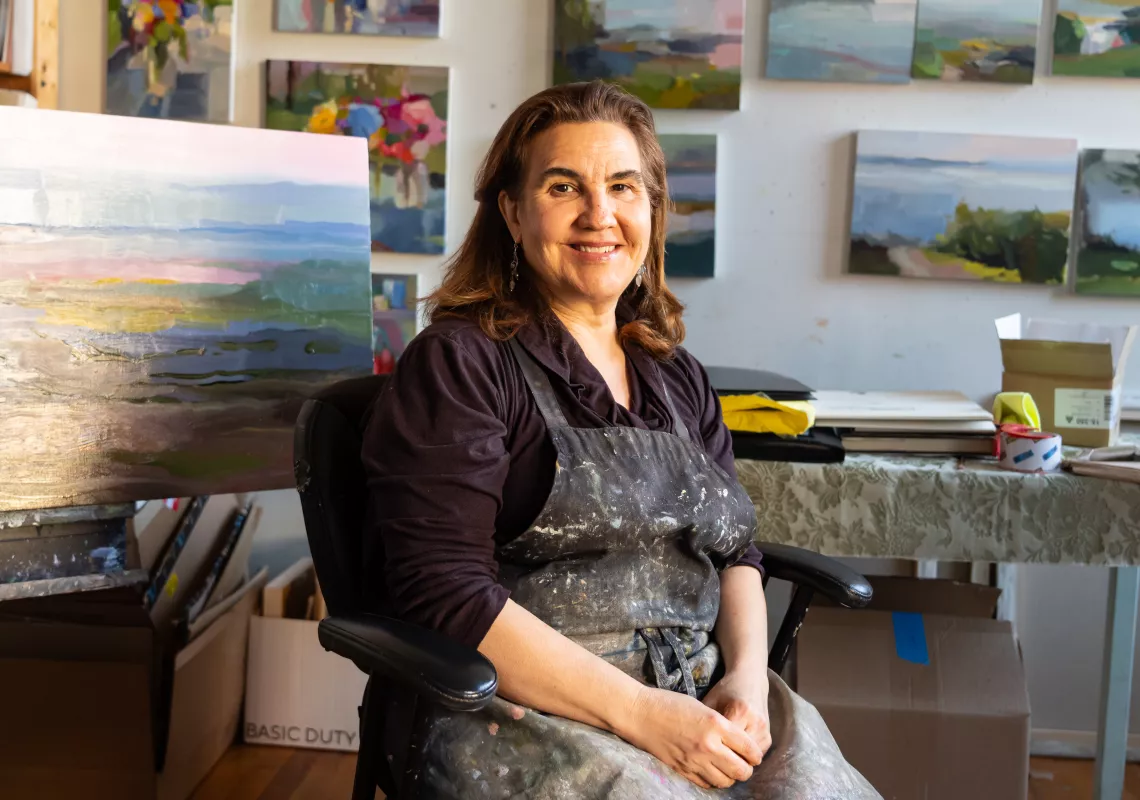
{"type": "Point", "coordinates": [621, 187]}
{"type": "Point", "coordinates": [562, 188]}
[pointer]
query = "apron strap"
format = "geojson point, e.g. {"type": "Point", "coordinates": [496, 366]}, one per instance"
{"type": "Point", "coordinates": [540, 387]}
{"type": "Point", "coordinates": [679, 427]}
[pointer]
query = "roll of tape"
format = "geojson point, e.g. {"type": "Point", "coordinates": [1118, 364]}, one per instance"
{"type": "Point", "coordinates": [1024, 449]}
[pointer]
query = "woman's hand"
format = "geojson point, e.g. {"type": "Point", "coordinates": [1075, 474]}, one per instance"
{"type": "Point", "coordinates": [692, 738]}
{"type": "Point", "coordinates": [741, 697]}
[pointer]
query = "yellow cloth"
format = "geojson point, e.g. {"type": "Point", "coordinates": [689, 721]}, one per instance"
{"type": "Point", "coordinates": [755, 413]}
{"type": "Point", "coordinates": [1017, 408]}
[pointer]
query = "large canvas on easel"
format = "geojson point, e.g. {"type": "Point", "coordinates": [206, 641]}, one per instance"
{"type": "Point", "coordinates": [163, 319]}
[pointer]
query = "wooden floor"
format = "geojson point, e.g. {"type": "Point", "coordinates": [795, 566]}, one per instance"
{"type": "Point", "coordinates": [278, 773]}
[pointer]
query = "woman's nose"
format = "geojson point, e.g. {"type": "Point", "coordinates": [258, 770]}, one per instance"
{"type": "Point", "coordinates": [599, 211]}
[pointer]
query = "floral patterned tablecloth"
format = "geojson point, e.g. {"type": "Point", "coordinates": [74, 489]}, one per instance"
{"type": "Point", "coordinates": [944, 509]}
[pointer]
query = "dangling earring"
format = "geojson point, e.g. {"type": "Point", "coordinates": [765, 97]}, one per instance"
{"type": "Point", "coordinates": [514, 267]}
{"type": "Point", "coordinates": [640, 273]}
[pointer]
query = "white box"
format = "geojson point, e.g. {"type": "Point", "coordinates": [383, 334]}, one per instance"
{"type": "Point", "coordinates": [297, 693]}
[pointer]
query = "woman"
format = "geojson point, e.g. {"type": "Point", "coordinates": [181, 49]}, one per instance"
{"type": "Point", "coordinates": [553, 484]}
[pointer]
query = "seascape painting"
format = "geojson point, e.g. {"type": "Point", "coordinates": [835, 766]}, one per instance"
{"type": "Point", "coordinates": [1097, 39]}
{"type": "Point", "coordinates": [858, 41]}
{"type": "Point", "coordinates": [962, 207]}
{"type": "Point", "coordinates": [375, 17]}
{"type": "Point", "coordinates": [690, 244]}
{"type": "Point", "coordinates": [163, 319]}
{"type": "Point", "coordinates": [977, 40]}
{"type": "Point", "coordinates": [402, 113]}
{"type": "Point", "coordinates": [393, 319]}
{"type": "Point", "coordinates": [670, 53]}
{"type": "Point", "coordinates": [1108, 245]}
{"type": "Point", "coordinates": [169, 59]}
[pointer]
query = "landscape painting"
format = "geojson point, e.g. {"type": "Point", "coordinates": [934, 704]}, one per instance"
{"type": "Point", "coordinates": [690, 244]}
{"type": "Point", "coordinates": [962, 207]}
{"type": "Point", "coordinates": [376, 17]}
{"type": "Point", "coordinates": [1108, 246]}
{"type": "Point", "coordinates": [977, 40]}
{"type": "Point", "coordinates": [169, 59]}
{"type": "Point", "coordinates": [1097, 39]}
{"type": "Point", "coordinates": [163, 319]}
{"type": "Point", "coordinates": [402, 113]}
{"type": "Point", "coordinates": [858, 41]}
{"type": "Point", "coordinates": [670, 53]}
{"type": "Point", "coordinates": [393, 319]}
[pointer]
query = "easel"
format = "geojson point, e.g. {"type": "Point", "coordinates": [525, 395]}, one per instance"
{"type": "Point", "coordinates": [43, 83]}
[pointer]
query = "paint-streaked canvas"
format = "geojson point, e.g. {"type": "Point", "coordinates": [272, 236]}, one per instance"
{"type": "Point", "coordinates": [861, 41]}
{"type": "Point", "coordinates": [169, 59]}
{"type": "Point", "coordinates": [962, 207]}
{"type": "Point", "coordinates": [375, 17]}
{"type": "Point", "coordinates": [1097, 39]}
{"type": "Point", "coordinates": [1108, 244]}
{"type": "Point", "coordinates": [690, 244]}
{"type": "Point", "coordinates": [402, 112]}
{"type": "Point", "coordinates": [393, 319]}
{"type": "Point", "coordinates": [670, 53]}
{"type": "Point", "coordinates": [977, 40]}
{"type": "Point", "coordinates": [162, 319]}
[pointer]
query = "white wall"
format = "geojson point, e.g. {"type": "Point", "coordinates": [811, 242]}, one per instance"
{"type": "Point", "coordinates": [780, 299]}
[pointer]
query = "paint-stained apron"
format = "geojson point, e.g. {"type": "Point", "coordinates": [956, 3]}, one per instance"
{"type": "Point", "coordinates": [625, 559]}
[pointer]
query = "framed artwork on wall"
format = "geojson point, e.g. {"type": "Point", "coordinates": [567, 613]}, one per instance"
{"type": "Point", "coordinates": [394, 318]}
{"type": "Point", "coordinates": [402, 113]}
{"type": "Point", "coordinates": [369, 17]}
{"type": "Point", "coordinates": [993, 41]}
{"type": "Point", "coordinates": [670, 53]}
{"type": "Point", "coordinates": [1108, 243]}
{"type": "Point", "coordinates": [690, 165]}
{"type": "Point", "coordinates": [962, 207]}
{"type": "Point", "coordinates": [1097, 39]}
{"type": "Point", "coordinates": [171, 60]}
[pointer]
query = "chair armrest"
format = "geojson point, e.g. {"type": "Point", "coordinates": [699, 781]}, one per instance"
{"type": "Point", "coordinates": [441, 670]}
{"type": "Point", "coordinates": [825, 575]}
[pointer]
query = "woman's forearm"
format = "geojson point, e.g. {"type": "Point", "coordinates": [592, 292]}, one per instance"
{"type": "Point", "coordinates": [742, 623]}
{"type": "Point", "coordinates": [542, 669]}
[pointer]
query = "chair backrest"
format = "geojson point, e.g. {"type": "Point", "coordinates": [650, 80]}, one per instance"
{"type": "Point", "coordinates": [333, 486]}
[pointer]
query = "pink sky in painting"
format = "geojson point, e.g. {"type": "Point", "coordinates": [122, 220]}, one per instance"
{"type": "Point", "coordinates": [185, 152]}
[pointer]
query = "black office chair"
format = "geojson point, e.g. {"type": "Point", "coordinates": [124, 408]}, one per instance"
{"type": "Point", "coordinates": [332, 484]}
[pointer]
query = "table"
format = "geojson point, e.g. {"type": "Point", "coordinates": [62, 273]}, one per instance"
{"type": "Point", "coordinates": [947, 509]}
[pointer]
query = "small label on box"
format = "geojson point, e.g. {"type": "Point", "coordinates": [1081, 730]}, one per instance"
{"type": "Point", "coordinates": [1083, 408]}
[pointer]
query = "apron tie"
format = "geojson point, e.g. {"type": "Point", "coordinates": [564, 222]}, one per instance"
{"type": "Point", "coordinates": [657, 660]}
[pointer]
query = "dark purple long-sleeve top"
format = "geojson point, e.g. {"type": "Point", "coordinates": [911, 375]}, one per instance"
{"type": "Point", "coordinates": [458, 460]}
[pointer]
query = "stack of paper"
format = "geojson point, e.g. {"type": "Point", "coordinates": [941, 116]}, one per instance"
{"type": "Point", "coordinates": [929, 423]}
{"type": "Point", "coordinates": [1121, 463]}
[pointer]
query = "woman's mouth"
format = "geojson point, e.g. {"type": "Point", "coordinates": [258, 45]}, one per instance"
{"type": "Point", "coordinates": [595, 249]}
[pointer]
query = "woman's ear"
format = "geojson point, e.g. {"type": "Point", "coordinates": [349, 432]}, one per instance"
{"type": "Point", "coordinates": [510, 210]}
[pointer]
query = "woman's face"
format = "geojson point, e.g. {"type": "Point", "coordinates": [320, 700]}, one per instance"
{"type": "Point", "coordinates": [582, 216]}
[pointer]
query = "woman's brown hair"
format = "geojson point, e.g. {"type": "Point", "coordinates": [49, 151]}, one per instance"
{"type": "Point", "coordinates": [476, 279]}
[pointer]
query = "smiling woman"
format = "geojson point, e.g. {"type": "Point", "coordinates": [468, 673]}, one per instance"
{"type": "Point", "coordinates": [552, 482]}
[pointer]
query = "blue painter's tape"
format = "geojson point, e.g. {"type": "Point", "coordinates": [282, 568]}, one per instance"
{"type": "Point", "coordinates": [910, 638]}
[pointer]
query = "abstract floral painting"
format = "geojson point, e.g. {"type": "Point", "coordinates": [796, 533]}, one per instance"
{"type": "Point", "coordinates": [670, 53]}
{"type": "Point", "coordinates": [860, 41]}
{"type": "Point", "coordinates": [1108, 245]}
{"type": "Point", "coordinates": [402, 113]}
{"type": "Point", "coordinates": [977, 40]}
{"type": "Point", "coordinates": [690, 244]}
{"type": "Point", "coordinates": [382, 17]}
{"type": "Point", "coordinates": [393, 319]}
{"type": "Point", "coordinates": [163, 319]}
{"type": "Point", "coordinates": [963, 207]}
{"type": "Point", "coordinates": [1097, 38]}
{"type": "Point", "coordinates": [169, 59]}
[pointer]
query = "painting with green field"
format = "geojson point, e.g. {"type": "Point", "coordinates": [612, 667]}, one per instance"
{"type": "Point", "coordinates": [1108, 245]}
{"type": "Point", "coordinates": [993, 41]}
{"type": "Point", "coordinates": [690, 168]}
{"type": "Point", "coordinates": [670, 53]}
{"type": "Point", "coordinates": [1097, 39]}
{"type": "Point", "coordinates": [162, 319]}
{"type": "Point", "coordinates": [962, 207]}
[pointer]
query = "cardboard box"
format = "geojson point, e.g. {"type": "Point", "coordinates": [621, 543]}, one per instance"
{"type": "Point", "coordinates": [297, 693]}
{"type": "Point", "coordinates": [1073, 371]}
{"type": "Point", "coordinates": [927, 596]}
{"type": "Point", "coordinates": [83, 699]}
{"type": "Point", "coordinates": [957, 726]}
